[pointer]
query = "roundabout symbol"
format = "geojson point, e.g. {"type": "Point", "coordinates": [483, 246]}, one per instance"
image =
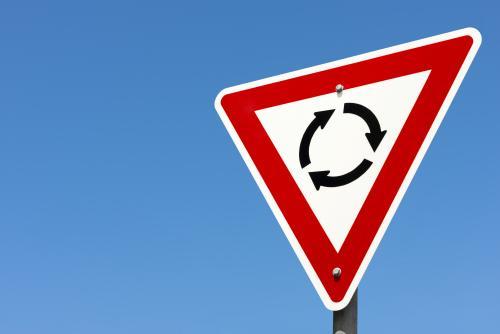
{"type": "Point", "coordinates": [374, 137]}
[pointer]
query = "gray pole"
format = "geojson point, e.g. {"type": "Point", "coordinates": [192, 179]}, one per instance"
{"type": "Point", "coordinates": [345, 321]}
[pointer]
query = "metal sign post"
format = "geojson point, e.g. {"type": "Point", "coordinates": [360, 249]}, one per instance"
{"type": "Point", "coordinates": [345, 321]}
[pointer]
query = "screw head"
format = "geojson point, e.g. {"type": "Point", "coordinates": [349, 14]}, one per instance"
{"type": "Point", "coordinates": [339, 332]}
{"type": "Point", "coordinates": [339, 88]}
{"type": "Point", "coordinates": [337, 272]}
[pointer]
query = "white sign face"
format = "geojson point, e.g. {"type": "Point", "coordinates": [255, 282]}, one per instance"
{"type": "Point", "coordinates": [334, 147]}
{"type": "Point", "coordinates": [341, 145]}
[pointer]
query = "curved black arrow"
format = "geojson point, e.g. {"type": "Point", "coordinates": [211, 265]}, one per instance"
{"type": "Point", "coordinates": [376, 134]}
{"type": "Point", "coordinates": [319, 121]}
{"type": "Point", "coordinates": [321, 178]}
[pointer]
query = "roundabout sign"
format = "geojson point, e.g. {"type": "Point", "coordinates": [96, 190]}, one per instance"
{"type": "Point", "coordinates": [335, 221]}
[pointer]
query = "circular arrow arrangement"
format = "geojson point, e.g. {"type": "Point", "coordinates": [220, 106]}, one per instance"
{"type": "Point", "coordinates": [374, 137]}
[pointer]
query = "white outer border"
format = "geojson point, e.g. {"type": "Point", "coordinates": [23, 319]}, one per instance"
{"type": "Point", "coordinates": [334, 306]}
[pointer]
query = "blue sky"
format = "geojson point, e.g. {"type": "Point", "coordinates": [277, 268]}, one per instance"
{"type": "Point", "coordinates": [126, 208]}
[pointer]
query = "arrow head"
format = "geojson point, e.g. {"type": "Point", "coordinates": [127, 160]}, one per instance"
{"type": "Point", "coordinates": [375, 138]}
{"type": "Point", "coordinates": [319, 177]}
{"type": "Point", "coordinates": [322, 117]}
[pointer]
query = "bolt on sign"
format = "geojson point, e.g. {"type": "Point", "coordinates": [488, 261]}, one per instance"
{"type": "Point", "coordinates": [334, 147]}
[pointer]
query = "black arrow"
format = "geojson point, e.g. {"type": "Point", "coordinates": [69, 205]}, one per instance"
{"type": "Point", "coordinates": [376, 134]}
{"type": "Point", "coordinates": [319, 121]}
{"type": "Point", "coordinates": [321, 178]}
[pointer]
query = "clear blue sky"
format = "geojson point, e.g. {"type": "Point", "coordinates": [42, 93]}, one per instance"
{"type": "Point", "coordinates": [126, 208]}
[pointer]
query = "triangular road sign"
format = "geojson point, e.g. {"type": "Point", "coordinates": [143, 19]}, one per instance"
{"type": "Point", "coordinates": [334, 147]}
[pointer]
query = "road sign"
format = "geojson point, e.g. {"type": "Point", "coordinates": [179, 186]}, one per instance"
{"type": "Point", "coordinates": [334, 147]}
